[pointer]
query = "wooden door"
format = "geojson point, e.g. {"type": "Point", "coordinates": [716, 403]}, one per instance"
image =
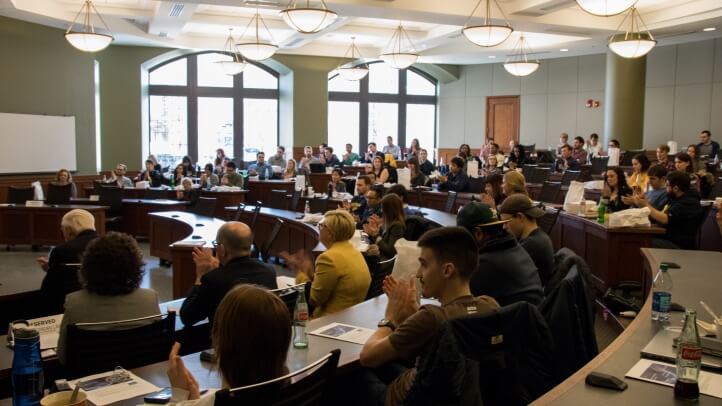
{"type": "Point", "coordinates": [502, 120]}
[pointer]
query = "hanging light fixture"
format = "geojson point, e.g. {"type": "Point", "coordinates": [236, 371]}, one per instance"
{"type": "Point", "coordinates": [487, 34]}
{"type": "Point", "coordinates": [636, 41]}
{"type": "Point", "coordinates": [352, 70]}
{"type": "Point", "coordinates": [308, 20]}
{"type": "Point", "coordinates": [395, 55]}
{"type": "Point", "coordinates": [87, 39]}
{"type": "Point", "coordinates": [257, 50]}
{"type": "Point", "coordinates": [518, 64]}
{"type": "Point", "coordinates": [235, 65]}
{"type": "Point", "coordinates": [605, 8]}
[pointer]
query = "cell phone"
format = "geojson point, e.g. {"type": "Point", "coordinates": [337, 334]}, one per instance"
{"type": "Point", "coordinates": [161, 397]}
{"type": "Point", "coordinates": [605, 381]}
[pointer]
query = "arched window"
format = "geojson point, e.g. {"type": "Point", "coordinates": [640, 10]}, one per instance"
{"type": "Point", "coordinates": [195, 109]}
{"type": "Point", "coordinates": [387, 102]}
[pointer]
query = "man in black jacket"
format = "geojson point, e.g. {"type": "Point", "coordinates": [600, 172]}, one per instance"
{"type": "Point", "coordinates": [505, 270]}
{"type": "Point", "coordinates": [215, 276]}
{"type": "Point", "coordinates": [63, 261]}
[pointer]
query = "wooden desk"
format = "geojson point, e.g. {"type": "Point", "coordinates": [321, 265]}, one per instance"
{"type": "Point", "coordinates": [40, 225]}
{"type": "Point", "coordinates": [690, 286]}
{"type": "Point", "coordinates": [260, 190]}
{"type": "Point", "coordinates": [612, 253]}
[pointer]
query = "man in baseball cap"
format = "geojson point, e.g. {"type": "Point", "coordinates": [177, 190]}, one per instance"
{"type": "Point", "coordinates": [522, 217]}
{"type": "Point", "coordinates": [505, 271]}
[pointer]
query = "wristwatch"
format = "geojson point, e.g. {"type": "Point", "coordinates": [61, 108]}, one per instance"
{"type": "Point", "coordinates": [386, 323]}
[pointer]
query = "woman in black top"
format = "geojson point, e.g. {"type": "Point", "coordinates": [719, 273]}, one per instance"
{"type": "Point", "coordinates": [493, 193]}
{"type": "Point", "coordinates": [615, 186]}
{"type": "Point", "coordinates": [517, 157]}
{"type": "Point", "coordinates": [417, 178]}
{"type": "Point", "coordinates": [385, 232]}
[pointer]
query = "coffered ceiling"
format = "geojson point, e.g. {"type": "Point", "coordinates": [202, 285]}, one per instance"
{"type": "Point", "coordinates": [435, 26]}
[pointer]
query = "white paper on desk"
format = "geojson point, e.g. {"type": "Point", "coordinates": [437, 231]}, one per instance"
{"type": "Point", "coordinates": [613, 154]}
{"type": "Point", "coordinates": [285, 282]}
{"type": "Point", "coordinates": [300, 182]}
{"type": "Point", "coordinates": [190, 243]}
{"type": "Point", "coordinates": [630, 218]}
{"type": "Point", "coordinates": [472, 169]}
{"type": "Point", "coordinates": [666, 374]}
{"type": "Point", "coordinates": [100, 392]}
{"type": "Point", "coordinates": [49, 329]}
{"type": "Point", "coordinates": [575, 194]}
{"type": "Point", "coordinates": [404, 177]}
{"type": "Point", "coordinates": [344, 332]}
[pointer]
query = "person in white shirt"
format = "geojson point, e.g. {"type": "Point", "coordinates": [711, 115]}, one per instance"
{"type": "Point", "coordinates": [392, 149]}
{"type": "Point", "coordinates": [593, 147]}
{"type": "Point", "coordinates": [118, 176]}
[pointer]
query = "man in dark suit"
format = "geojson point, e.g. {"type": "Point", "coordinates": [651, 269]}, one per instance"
{"type": "Point", "coordinates": [216, 275]}
{"type": "Point", "coordinates": [62, 264]}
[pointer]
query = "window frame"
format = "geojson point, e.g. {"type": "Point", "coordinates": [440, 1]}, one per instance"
{"type": "Point", "coordinates": [192, 91]}
{"type": "Point", "coordinates": [402, 99]}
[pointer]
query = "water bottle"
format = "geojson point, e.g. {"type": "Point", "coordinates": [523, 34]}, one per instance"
{"type": "Point", "coordinates": [300, 317]}
{"type": "Point", "coordinates": [661, 294]}
{"type": "Point", "coordinates": [307, 208]}
{"type": "Point", "coordinates": [27, 372]}
{"type": "Point", "coordinates": [602, 211]}
{"type": "Point", "coordinates": [689, 359]}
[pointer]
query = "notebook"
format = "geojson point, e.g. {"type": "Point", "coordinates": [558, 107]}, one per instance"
{"type": "Point", "coordinates": [661, 348]}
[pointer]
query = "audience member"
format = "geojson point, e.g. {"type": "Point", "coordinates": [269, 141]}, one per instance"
{"type": "Point", "coordinates": [517, 157]}
{"type": "Point", "coordinates": [406, 333]}
{"type": "Point", "coordinates": [563, 141]}
{"type": "Point", "coordinates": [414, 149]}
{"type": "Point", "coordinates": [697, 164]}
{"type": "Point", "coordinates": [522, 216]}
{"type": "Point", "coordinates": [278, 159]}
{"type": "Point", "coordinates": [681, 217]}
{"type": "Point", "coordinates": [384, 232]}
{"type": "Point", "coordinates": [208, 178]}
{"type": "Point", "coordinates": [392, 149]}
{"type": "Point", "coordinates": [218, 163]}
{"type": "Point", "coordinates": [217, 274]}
{"type": "Point", "coordinates": [400, 191]}
{"type": "Point", "coordinates": [371, 153]}
{"type": "Point", "coordinates": [248, 317]}
{"type": "Point", "coordinates": [683, 163]}
{"type": "Point", "coordinates": [637, 181]}
{"type": "Point", "coordinates": [188, 193]}
{"type": "Point", "coordinates": [707, 148]}
{"type": "Point", "coordinates": [150, 175]}
{"type": "Point", "coordinates": [456, 180]}
{"type": "Point", "coordinates": [657, 194]}
{"type": "Point", "coordinates": [491, 167]}
{"type": "Point", "coordinates": [614, 144]}
{"type": "Point", "coordinates": [593, 147]}
{"type": "Point", "coordinates": [615, 187]}
{"type": "Point", "coordinates": [111, 270]}
{"type": "Point", "coordinates": [336, 184]}
{"type": "Point", "coordinates": [578, 152]}
{"type": "Point", "coordinates": [466, 155]}
{"type": "Point", "coordinates": [350, 157]}
{"type": "Point", "coordinates": [514, 183]}
{"type": "Point", "coordinates": [260, 168]}
{"type": "Point", "coordinates": [380, 171]}
{"type": "Point", "coordinates": [566, 162]}
{"type": "Point", "coordinates": [505, 270]}
{"type": "Point", "coordinates": [322, 152]}
{"type": "Point", "coordinates": [330, 159]}
{"type": "Point", "coordinates": [341, 277]}
{"type": "Point", "coordinates": [62, 178]}
{"type": "Point", "coordinates": [156, 165]}
{"type": "Point", "coordinates": [61, 264]}
{"type": "Point", "coordinates": [496, 151]}
{"type": "Point", "coordinates": [417, 178]}
{"type": "Point", "coordinates": [290, 171]}
{"type": "Point", "coordinates": [233, 178]}
{"type": "Point", "coordinates": [357, 205]}
{"type": "Point", "coordinates": [493, 193]}
{"type": "Point", "coordinates": [118, 176]}
{"type": "Point", "coordinates": [304, 165]}
{"type": "Point", "coordinates": [663, 158]}
{"type": "Point", "coordinates": [187, 162]}
{"type": "Point", "coordinates": [178, 174]}
{"type": "Point", "coordinates": [425, 166]}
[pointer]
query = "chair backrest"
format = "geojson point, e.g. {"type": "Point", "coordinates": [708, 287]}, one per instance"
{"type": "Point", "coordinates": [450, 201]}
{"type": "Point", "coordinates": [607, 326]}
{"type": "Point", "coordinates": [19, 195]}
{"type": "Point", "coordinates": [599, 164]}
{"type": "Point", "coordinates": [254, 217]}
{"type": "Point", "coordinates": [548, 220]}
{"type": "Point", "coordinates": [311, 389]}
{"type": "Point", "coordinates": [295, 197]}
{"type": "Point", "coordinates": [239, 211]}
{"type": "Point", "coordinates": [416, 226]}
{"type": "Point", "coordinates": [569, 176]}
{"type": "Point", "coordinates": [318, 205]}
{"type": "Point", "coordinates": [205, 206]}
{"type": "Point", "coordinates": [98, 347]}
{"type": "Point", "coordinates": [475, 185]}
{"type": "Point", "coordinates": [154, 194]}
{"type": "Point", "coordinates": [278, 200]}
{"type": "Point", "coordinates": [289, 296]}
{"type": "Point", "coordinates": [549, 192]}
{"type": "Point", "coordinates": [716, 189]}
{"type": "Point", "coordinates": [59, 194]}
{"type": "Point", "coordinates": [528, 171]}
{"type": "Point", "coordinates": [111, 196]}
{"type": "Point", "coordinates": [420, 197]}
{"type": "Point", "coordinates": [628, 155]}
{"type": "Point", "coordinates": [528, 149]}
{"type": "Point", "coordinates": [379, 271]}
{"type": "Point", "coordinates": [540, 175]}
{"type": "Point", "coordinates": [268, 244]}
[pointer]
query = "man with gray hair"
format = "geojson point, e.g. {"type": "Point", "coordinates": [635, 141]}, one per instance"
{"type": "Point", "coordinates": [62, 263]}
{"type": "Point", "coordinates": [217, 274]}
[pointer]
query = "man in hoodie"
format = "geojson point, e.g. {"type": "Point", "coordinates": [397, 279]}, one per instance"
{"type": "Point", "coordinates": [505, 270]}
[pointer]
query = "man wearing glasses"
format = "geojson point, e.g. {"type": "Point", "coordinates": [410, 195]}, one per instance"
{"type": "Point", "coordinates": [217, 274]}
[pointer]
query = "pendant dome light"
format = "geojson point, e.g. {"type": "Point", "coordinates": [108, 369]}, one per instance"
{"type": "Point", "coordinates": [308, 20]}
{"type": "Point", "coordinates": [635, 42]}
{"type": "Point", "coordinates": [257, 50]}
{"type": "Point", "coordinates": [518, 64]}
{"type": "Point", "coordinates": [87, 40]}
{"type": "Point", "coordinates": [394, 54]}
{"type": "Point", "coordinates": [352, 70]}
{"type": "Point", "coordinates": [605, 8]}
{"type": "Point", "coordinates": [235, 65]}
{"type": "Point", "coordinates": [487, 34]}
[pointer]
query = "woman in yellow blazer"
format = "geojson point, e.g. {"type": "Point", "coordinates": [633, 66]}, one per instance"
{"type": "Point", "coordinates": [638, 180]}
{"type": "Point", "coordinates": [341, 277]}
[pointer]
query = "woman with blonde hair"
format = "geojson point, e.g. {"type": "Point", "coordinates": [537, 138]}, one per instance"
{"type": "Point", "coordinates": [62, 178]}
{"type": "Point", "coordinates": [340, 277]}
{"type": "Point", "coordinates": [514, 183]}
{"type": "Point", "coordinates": [290, 171]}
{"type": "Point", "coordinates": [248, 317]}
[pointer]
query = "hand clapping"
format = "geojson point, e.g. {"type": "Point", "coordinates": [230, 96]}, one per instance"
{"type": "Point", "coordinates": [179, 376]}
{"type": "Point", "coordinates": [402, 299]}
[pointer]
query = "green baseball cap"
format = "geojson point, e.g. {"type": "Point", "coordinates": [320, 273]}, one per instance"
{"type": "Point", "coordinates": [519, 203]}
{"type": "Point", "coordinates": [476, 214]}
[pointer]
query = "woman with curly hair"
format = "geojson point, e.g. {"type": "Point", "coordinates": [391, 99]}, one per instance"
{"type": "Point", "coordinates": [111, 270]}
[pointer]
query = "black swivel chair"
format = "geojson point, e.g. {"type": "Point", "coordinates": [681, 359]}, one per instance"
{"type": "Point", "coordinates": [450, 201]}
{"type": "Point", "coordinates": [112, 197]}
{"type": "Point", "coordinates": [311, 389]}
{"type": "Point", "coordinates": [570, 176]}
{"type": "Point", "coordinates": [716, 189]}
{"type": "Point", "coordinates": [318, 205]}
{"type": "Point", "coordinates": [205, 206]}
{"type": "Point", "coordinates": [154, 194]}
{"type": "Point", "coordinates": [278, 200]}
{"type": "Point", "coordinates": [549, 192]}
{"type": "Point", "coordinates": [239, 211]}
{"type": "Point", "coordinates": [548, 220]}
{"type": "Point", "coordinates": [379, 271]}
{"type": "Point", "coordinates": [476, 185]}
{"type": "Point", "coordinates": [90, 351]}
{"type": "Point", "coordinates": [59, 194]}
{"type": "Point", "coordinates": [295, 198]}
{"type": "Point", "coordinates": [19, 195]}
{"type": "Point", "coordinates": [289, 296]}
{"type": "Point", "coordinates": [416, 226]}
{"type": "Point", "coordinates": [528, 172]}
{"type": "Point", "coordinates": [268, 243]}
{"type": "Point", "coordinates": [540, 175]}
{"type": "Point", "coordinates": [599, 165]}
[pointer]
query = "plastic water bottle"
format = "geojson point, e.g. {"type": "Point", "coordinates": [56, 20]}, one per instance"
{"type": "Point", "coordinates": [307, 208]}
{"type": "Point", "coordinates": [300, 318]}
{"type": "Point", "coordinates": [661, 294]}
{"type": "Point", "coordinates": [27, 372]}
{"type": "Point", "coordinates": [689, 359]}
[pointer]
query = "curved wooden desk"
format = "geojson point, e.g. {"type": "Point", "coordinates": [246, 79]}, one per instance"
{"type": "Point", "coordinates": [690, 286]}
{"type": "Point", "coordinates": [20, 224]}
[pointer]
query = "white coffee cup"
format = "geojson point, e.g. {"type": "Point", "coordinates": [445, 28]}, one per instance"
{"type": "Point", "coordinates": [310, 190]}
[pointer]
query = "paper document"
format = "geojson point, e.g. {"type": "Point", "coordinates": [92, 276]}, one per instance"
{"type": "Point", "coordinates": [284, 282]}
{"type": "Point", "coordinates": [111, 387]}
{"type": "Point", "coordinates": [344, 332]}
{"type": "Point", "coordinates": [666, 374]}
{"type": "Point", "coordinates": [49, 329]}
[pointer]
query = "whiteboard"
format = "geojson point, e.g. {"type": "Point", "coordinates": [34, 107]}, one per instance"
{"type": "Point", "coordinates": [36, 143]}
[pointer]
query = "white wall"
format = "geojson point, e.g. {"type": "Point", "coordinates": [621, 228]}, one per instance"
{"type": "Point", "coordinates": [683, 96]}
